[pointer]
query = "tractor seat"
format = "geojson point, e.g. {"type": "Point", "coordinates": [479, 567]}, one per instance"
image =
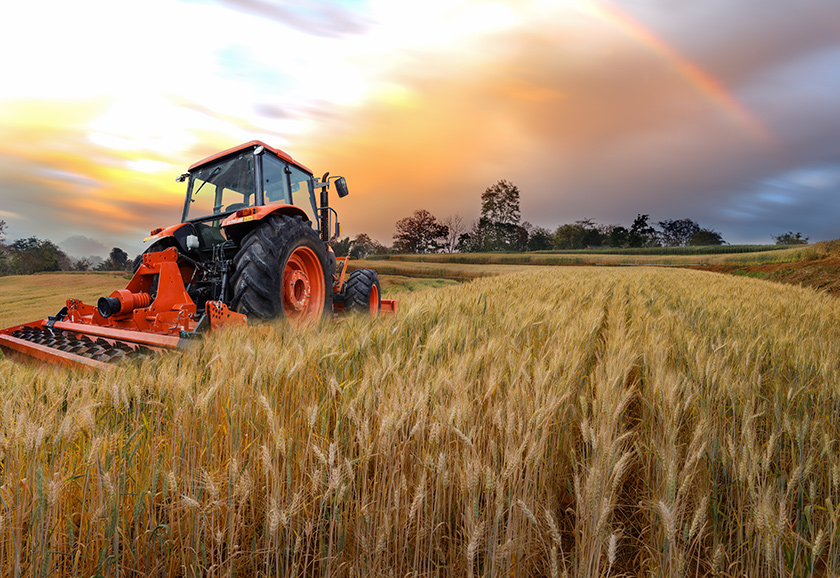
{"type": "Point", "coordinates": [208, 236]}
{"type": "Point", "coordinates": [235, 207]}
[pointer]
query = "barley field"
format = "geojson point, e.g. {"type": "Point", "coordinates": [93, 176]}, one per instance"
{"type": "Point", "coordinates": [584, 422]}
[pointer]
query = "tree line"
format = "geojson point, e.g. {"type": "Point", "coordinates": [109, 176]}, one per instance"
{"type": "Point", "coordinates": [33, 255]}
{"type": "Point", "coordinates": [500, 228]}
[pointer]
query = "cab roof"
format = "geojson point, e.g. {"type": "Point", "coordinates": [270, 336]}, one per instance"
{"type": "Point", "coordinates": [250, 144]}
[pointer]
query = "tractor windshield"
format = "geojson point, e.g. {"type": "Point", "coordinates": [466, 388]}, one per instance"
{"type": "Point", "coordinates": [222, 187]}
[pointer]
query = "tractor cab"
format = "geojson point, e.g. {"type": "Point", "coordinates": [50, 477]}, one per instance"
{"type": "Point", "coordinates": [251, 175]}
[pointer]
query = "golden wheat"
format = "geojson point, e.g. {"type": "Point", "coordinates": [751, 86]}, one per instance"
{"type": "Point", "coordinates": [585, 422]}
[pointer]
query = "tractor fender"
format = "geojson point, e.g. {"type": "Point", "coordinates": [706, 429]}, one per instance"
{"type": "Point", "coordinates": [178, 232]}
{"type": "Point", "coordinates": [243, 221]}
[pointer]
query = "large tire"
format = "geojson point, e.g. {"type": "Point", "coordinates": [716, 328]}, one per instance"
{"type": "Point", "coordinates": [362, 293]}
{"type": "Point", "coordinates": [282, 271]}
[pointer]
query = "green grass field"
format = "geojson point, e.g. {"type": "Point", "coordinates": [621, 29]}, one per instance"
{"type": "Point", "coordinates": [581, 421]}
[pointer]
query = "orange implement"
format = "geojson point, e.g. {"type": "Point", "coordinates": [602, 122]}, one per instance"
{"type": "Point", "coordinates": [244, 248]}
{"type": "Point", "coordinates": [128, 324]}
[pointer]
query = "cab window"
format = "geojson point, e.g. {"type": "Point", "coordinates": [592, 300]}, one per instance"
{"type": "Point", "coordinates": [275, 181]}
{"type": "Point", "coordinates": [302, 194]}
{"type": "Point", "coordinates": [221, 188]}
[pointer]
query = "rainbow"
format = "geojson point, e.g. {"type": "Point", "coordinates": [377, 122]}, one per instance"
{"type": "Point", "coordinates": [701, 80]}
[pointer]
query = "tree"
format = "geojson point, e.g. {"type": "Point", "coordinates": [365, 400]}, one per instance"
{"type": "Point", "coordinates": [567, 236]}
{"type": "Point", "coordinates": [618, 237]}
{"type": "Point", "coordinates": [4, 266]}
{"type": "Point", "coordinates": [540, 239]}
{"type": "Point", "coordinates": [706, 237]}
{"type": "Point", "coordinates": [116, 261]}
{"type": "Point", "coordinates": [362, 246]}
{"type": "Point", "coordinates": [678, 232]}
{"type": "Point", "coordinates": [419, 233]}
{"type": "Point", "coordinates": [641, 233]}
{"type": "Point", "coordinates": [498, 228]}
{"type": "Point", "coordinates": [82, 265]}
{"type": "Point", "coordinates": [33, 255]}
{"type": "Point", "coordinates": [790, 238]}
{"type": "Point", "coordinates": [342, 247]}
{"type": "Point", "coordinates": [466, 241]}
{"type": "Point", "coordinates": [500, 203]}
{"type": "Point", "coordinates": [578, 235]}
{"type": "Point", "coordinates": [455, 224]}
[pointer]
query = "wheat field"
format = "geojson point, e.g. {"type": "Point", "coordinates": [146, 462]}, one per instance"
{"type": "Point", "coordinates": [585, 422]}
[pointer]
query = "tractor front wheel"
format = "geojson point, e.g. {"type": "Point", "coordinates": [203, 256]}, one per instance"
{"type": "Point", "coordinates": [281, 271]}
{"type": "Point", "coordinates": [362, 293]}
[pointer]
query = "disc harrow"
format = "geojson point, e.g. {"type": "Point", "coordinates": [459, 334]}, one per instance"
{"type": "Point", "coordinates": [99, 349]}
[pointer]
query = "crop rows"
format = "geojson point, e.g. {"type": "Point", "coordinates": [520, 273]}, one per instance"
{"type": "Point", "coordinates": [583, 422]}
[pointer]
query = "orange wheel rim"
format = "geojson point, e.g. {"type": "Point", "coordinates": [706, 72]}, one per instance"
{"type": "Point", "coordinates": [374, 301]}
{"type": "Point", "coordinates": [303, 287]}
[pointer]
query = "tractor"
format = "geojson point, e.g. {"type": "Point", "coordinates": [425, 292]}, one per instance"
{"type": "Point", "coordinates": [252, 246]}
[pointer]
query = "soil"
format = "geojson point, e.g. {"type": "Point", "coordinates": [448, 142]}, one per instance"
{"type": "Point", "coordinates": [821, 274]}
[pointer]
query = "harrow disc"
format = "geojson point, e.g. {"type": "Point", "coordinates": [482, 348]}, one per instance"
{"type": "Point", "coordinates": [71, 348]}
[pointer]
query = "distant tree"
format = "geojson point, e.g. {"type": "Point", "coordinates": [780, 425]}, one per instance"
{"type": "Point", "coordinates": [456, 226]}
{"type": "Point", "coordinates": [706, 237]}
{"type": "Point", "coordinates": [592, 235]}
{"type": "Point", "coordinates": [498, 228]}
{"type": "Point", "coordinates": [500, 203]}
{"type": "Point", "coordinates": [3, 263]}
{"type": "Point", "coordinates": [790, 238]}
{"type": "Point", "coordinates": [540, 239]}
{"type": "Point", "coordinates": [116, 261]}
{"type": "Point", "coordinates": [82, 265]}
{"type": "Point", "coordinates": [578, 235]}
{"type": "Point", "coordinates": [341, 247]}
{"type": "Point", "coordinates": [65, 263]}
{"type": "Point", "coordinates": [677, 232]}
{"type": "Point", "coordinates": [641, 233]}
{"type": "Point", "coordinates": [419, 233]}
{"type": "Point", "coordinates": [567, 236]}
{"type": "Point", "coordinates": [466, 241]}
{"type": "Point", "coordinates": [618, 237]}
{"type": "Point", "coordinates": [363, 246]}
{"type": "Point", "coordinates": [33, 255]}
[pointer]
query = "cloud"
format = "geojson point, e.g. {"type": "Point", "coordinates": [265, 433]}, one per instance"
{"type": "Point", "coordinates": [806, 199]}
{"type": "Point", "coordinates": [316, 18]}
{"type": "Point", "coordinates": [593, 109]}
{"type": "Point", "coordinates": [737, 39]}
{"type": "Point", "coordinates": [590, 118]}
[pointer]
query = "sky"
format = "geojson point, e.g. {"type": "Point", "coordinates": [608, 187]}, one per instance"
{"type": "Point", "coordinates": [726, 112]}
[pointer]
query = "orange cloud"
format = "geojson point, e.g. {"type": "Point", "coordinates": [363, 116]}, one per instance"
{"type": "Point", "coordinates": [555, 118]}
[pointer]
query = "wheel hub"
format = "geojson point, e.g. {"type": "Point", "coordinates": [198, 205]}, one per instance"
{"type": "Point", "coordinates": [298, 290]}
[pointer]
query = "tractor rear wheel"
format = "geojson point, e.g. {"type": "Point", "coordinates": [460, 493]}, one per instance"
{"type": "Point", "coordinates": [281, 271]}
{"type": "Point", "coordinates": [362, 293]}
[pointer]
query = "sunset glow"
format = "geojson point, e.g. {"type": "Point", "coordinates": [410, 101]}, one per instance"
{"type": "Point", "coordinates": [594, 109]}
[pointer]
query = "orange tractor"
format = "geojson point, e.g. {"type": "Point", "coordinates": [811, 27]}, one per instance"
{"type": "Point", "coordinates": [252, 244]}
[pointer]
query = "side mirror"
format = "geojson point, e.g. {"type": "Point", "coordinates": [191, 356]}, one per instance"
{"type": "Point", "coordinates": [341, 187]}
